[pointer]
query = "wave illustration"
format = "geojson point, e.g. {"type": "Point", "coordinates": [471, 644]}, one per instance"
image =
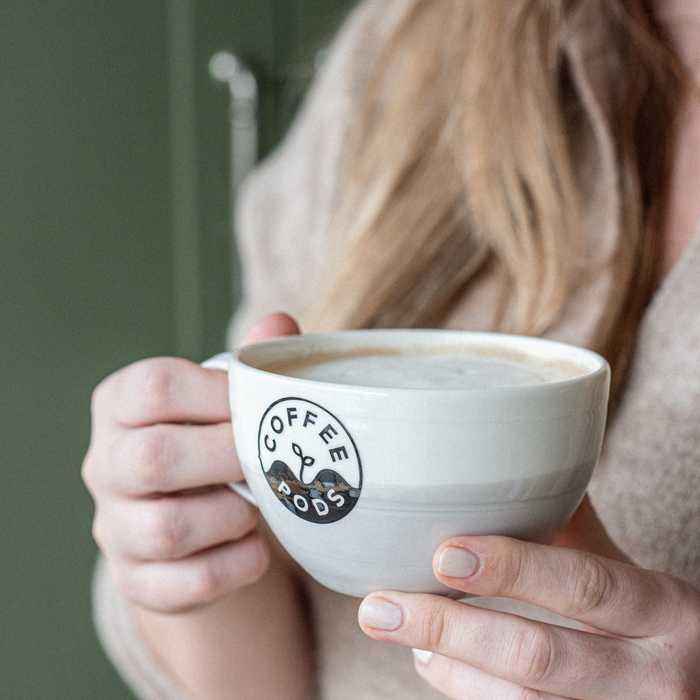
{"type": "Point", "coordinates": [327, 498]}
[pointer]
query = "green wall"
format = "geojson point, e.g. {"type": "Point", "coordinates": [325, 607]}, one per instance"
{"type": "Point", "coordinates": [114, 245]}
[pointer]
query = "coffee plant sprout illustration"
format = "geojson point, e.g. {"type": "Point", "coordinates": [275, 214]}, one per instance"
{"type": "Point", "coordinates": [306, 460]}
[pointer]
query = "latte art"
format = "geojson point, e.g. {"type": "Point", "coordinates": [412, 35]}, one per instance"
{"type": "Point", "coordinates": [464, 368]}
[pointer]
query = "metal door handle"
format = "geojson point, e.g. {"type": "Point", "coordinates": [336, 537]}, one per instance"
{"type": "Point", "coordinates": [243, 113]}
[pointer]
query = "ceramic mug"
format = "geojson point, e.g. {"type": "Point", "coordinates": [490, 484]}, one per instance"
{"type": "Point", "coordinates": [361, 484]}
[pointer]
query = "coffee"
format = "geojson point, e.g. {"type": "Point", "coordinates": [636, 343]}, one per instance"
{"type": "Point", "coordinates": [448, 367]}
{"type": "Point", "coordinates": [363, 473]}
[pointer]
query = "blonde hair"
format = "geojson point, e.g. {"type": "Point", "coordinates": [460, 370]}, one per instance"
{"type": "Point", "coordinates": [463, 155]}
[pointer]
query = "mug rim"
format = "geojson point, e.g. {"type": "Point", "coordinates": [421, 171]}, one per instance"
{"type": "Point", "coordinates": [591, 363]}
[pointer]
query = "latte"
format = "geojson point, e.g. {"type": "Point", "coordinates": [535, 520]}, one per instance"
{"type": "Point", "coordinates": [446, 367]}
{"type": "Point", "coordinates": [365, 450]}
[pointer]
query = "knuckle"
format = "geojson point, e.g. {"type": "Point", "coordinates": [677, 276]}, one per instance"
{"type": "Point", "coordinates": [248, 518]}
{"type": "Point", "coordinates": [150, 457]}
{"type": "Point", "coordinates": [151, 382]}
{"type": "Point", "coordinates": [98, 532]}
{"type": "Point", "coordinates": [165, 529]}
{"type": "Point", "coordinates": [156, 385]}
{"type": "Point", "coordinates": [681, 604]}
{"type": "Point", "coordinates": [435, 626]}
{"type": "Point", "coordinates": [593, 584]}
{"type": "Point", "coordinates": [147, 591]}
{"type": "Point", "coordinates": [206, 582]}
{"type": "Point", "coordinates": [509, 565]}
{"type": "Point", "coordinates": [87, 472]}
{"type": "Point", "coordinates": [128, 583]}
{"type": "Point", "coordinates": [143, 590]}
{"type": "Point", "coordinates": [531, 654]}
{"type": "Point", "coordinates": [259, 560]}
{"type": "Point", "coordinates": [100, 399]}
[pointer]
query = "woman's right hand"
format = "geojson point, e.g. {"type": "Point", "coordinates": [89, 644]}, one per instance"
{"type": "Point", "coordinates": [160, 456]}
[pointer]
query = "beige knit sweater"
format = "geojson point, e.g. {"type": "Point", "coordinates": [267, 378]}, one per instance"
{"type": "Point", "coordinates": [647, 487]}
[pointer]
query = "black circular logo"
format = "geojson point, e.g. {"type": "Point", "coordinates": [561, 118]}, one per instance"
{"type": "Point", "coordinates": [309, 460]}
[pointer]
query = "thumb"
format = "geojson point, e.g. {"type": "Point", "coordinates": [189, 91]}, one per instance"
{"type": "Point", "coordinates": [270, 327]}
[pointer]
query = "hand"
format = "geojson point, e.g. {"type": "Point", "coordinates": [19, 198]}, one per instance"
{"type": "Point", "coordinates": [640, 638]}
{"type": "Point", "coordinates": [161, 454]}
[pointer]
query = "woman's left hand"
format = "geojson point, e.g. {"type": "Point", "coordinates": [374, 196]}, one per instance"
{"type": "Point", "coordinates": [643, 638]}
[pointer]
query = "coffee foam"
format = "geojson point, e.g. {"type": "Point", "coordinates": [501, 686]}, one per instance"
{"type": "Point", "coordinates": [421, 366]}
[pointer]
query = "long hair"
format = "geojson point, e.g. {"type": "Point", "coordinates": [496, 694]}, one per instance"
{"type": "Point", "coordinates": [465, 154]}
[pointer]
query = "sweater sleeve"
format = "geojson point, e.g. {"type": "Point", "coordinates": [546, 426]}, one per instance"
{"type": "Point", "coordinates": [136, 663]}
{"type": "Point", "coordinates": [283, 210]}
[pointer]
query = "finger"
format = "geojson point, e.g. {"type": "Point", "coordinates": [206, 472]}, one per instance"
{"type": "Point", "coordinates": [527, 653]}
{"type": "Point", "coordinates": [161, 390]}
{"type": "Point", "coordinates": [460, 681]}
{"type": "Point", "coordinates": [610, 595]}
{"type": "Point", "coordinates": [166, 458]}
{"type": "Point", "coordinates": [173, 527]}
{"type": "Point", "coordinates": [270, 327]}
{"type": "Point", "coordinates": [183, 584]}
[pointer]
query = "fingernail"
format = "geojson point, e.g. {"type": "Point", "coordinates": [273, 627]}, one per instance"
{"type": "Point", "coordinates": [380, 614]}
{"type": "Point", "coordinates": [457, 562]}
{"type": "Point", "coordinates": [422, 656]}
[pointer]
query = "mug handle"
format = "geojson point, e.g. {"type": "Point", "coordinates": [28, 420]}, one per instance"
{"type": "Point", "coordinates": [221, 362]}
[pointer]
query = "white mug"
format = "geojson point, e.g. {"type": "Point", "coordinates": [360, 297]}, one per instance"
{"type": "Point", "coordinates": [361, 484]}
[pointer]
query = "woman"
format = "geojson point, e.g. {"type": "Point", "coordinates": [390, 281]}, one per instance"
{"type": "Point", "coordinates": [523, 165]}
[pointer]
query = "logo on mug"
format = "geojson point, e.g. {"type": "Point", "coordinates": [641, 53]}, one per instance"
{"type": "Point", "coordinates": [309, 460]}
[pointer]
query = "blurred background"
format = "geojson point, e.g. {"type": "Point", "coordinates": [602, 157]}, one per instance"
{"type": "Point", "coordinates": [121, 138]}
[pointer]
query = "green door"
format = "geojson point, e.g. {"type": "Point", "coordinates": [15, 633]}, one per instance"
{"type": "Point", "coordinates": [114, 245]}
